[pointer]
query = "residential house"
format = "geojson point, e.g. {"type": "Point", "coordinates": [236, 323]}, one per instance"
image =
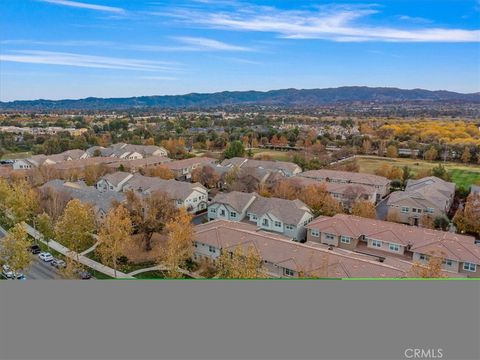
{"type": "Point", "coordinates": [283, 258]}
{"type": "Point", "coordinates": [287, 217]}
{"type": "Point", "coordinates": [192, 196]}
{"type": "Point", "coordinates": [128, 151]}
{"type": "Point", "coordinates": [39, 160]}
{"type": "Point", "coordinates": [345, 193]}
{"type": "Point", "coordinates": [134, 166]}
{"type": "Point", "coordinates": [101, 202]}
{"type": "Point", "coordinates": [183, 168]}
{"type": "Point", "coordinates": [430, 196]}
{"type": "Point", "coordinates": [286, 168]}
{"type": "Point", "coordinates": [379, 183]}
{"type": "Point", "coordinates": [113, 182]}
{"type": "Point", "coordinates": [388, 239]}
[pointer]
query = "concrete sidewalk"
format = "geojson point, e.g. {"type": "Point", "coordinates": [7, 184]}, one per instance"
{"type": "Point", "coordinates": [92, 264]}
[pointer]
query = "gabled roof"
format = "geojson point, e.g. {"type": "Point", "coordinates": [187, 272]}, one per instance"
{"type": "Point", "coordinates": [186, 163]}
{"type": "Point", "coordinates": [422, 240]}
{"type": "Point", "coordinates": [88, 194]}
{"type": "Point", "coordinates": [116, 178]}
{"type": "Point", "coordinates": [287, 211]}
{"type": "Point", "coordinates": [285, 166]}
{"type": "Point", "coordinates": [276, 249]}
{"type": "Point", "coordinates": [175, 189]}
{"type": "Point", "coordinates": [339, 188]}
{"type": "Point", "coordinates": [235, 199]}
{"type": "Point", "coordinates": [359, 178]}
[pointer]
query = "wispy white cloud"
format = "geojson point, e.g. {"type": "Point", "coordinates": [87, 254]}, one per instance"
{"type": "Point", "coordinates": [202, 43]}
{"type": "Point", "coordinates": [87, 61]}
{"type": "Point", "coordinates": [415, 19]}
{"type": "Point", "coordinates": [335, 23]}
{"type": "Point", "coordinates": [77, 4]}
{"type": "Point", "coordinates": [182, 44]}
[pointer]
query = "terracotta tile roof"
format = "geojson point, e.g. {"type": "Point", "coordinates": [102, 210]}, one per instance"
{"type": "Point", "coordinates": [186, 163]}
{"type": "Point", "coordinates": [352, 177]}
{"type": "Point", "coordinates": [422, 240]}
{"type": "Point", "coordinates": [295, 256]}
{"type": "Point", "coordinates": [288, 167]}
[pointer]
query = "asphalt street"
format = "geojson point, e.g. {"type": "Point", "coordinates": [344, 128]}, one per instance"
{"type": "Point", "coordinates": [41, 270]}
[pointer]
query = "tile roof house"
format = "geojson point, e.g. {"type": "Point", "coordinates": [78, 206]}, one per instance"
{"type": "Point", "coordinates": [429, 196]}
{"type": "Point", "coordinates": [39, 160]}
{"type": "Point", "coordinates": [192, 196]}
{"type": "Point", "coordinates": [128, 151]}
{"type": "Point", "coordinates": [345, 193]}
{"type": "Point", "coordinates": [183, 168]}
{"type": "Point", "coordinates": [102, 202]}
{"type": "Point", "coordinates": [287, 217]}
{"type": "Point", "coordinates": [113, 182]}
{"type": "Point", "coordinates": [380, 183]}
{"type": "Point", "coordinates": [384, 238]}
{"type": "Point", "coordinates": [286, 168]}
{"type": "Point", "coordinates": [138, 164]}
{"type": "Point", "coordinates": [283, 257]}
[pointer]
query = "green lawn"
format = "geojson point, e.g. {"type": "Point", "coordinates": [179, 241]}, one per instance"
{"type": "Point", "coordinates": [462, 175]}
{"type": "Point", "coordinates": [156, 274]}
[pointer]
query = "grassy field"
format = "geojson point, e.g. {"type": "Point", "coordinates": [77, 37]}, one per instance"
{"type": "Point", "coordinates": [462, 175]}
{"type": "Point", "coordinates": [18, 155]}
{"type": "Point", "coordinates": [274, 154]}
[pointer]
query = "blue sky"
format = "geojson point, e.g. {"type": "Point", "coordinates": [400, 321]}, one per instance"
{"type": "Point", "coordinates": [55, 49]}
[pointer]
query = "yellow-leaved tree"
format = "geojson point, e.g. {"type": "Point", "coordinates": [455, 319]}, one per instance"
{"type": "Point", "coordinates": [14, 250]}
{"type": "Point", "coordinates": [114, 234]}
{"type": "Point", "coordinates": [364, 208]}
{"type": "Point", "coordinates": [179, 246]}
{"type": "Point", "coordinates": [240, 264]}
{"type": "Point", "coordinates": [75, 227]}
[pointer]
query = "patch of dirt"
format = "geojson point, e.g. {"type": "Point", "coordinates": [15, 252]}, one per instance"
{"type": "Point", "coordinates": [135, 250]}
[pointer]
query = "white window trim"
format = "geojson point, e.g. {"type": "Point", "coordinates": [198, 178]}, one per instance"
{"type": "Point", "coordinates": [467, 267]}
{"type": "Point", "coordinates": [345, 239]}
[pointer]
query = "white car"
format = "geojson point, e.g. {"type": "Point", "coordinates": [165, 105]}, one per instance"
{"type": "Point", "coordinates": [45, 256]}
{"type": "Point", "coordinates": [7, 272]}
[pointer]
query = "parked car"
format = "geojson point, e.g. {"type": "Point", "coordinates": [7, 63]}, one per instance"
{"type": "Point", "coordinates": [7, 272]}
{"type": "Point", "coordinates": [20, 276]}
{"type": "Point", "coordinates": [58, 263]}
{"type": "Point", "coordinates": [84, 275]}
{"type": "Point", "coordinates": [35, 249]}
{"type": "Point", "coordinates": [45, 256]}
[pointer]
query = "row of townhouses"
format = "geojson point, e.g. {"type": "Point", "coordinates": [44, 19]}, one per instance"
{"type": "Point", "coordinates": [119, 151]}
{"type": "Point", "coordinates": [287, 217]}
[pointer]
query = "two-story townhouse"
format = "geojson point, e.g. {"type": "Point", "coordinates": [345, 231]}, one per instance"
{"type": "Point", "coordinates": [183, 168]}
{"type": "Point", "coordinates": [286, 168]}
{"type": "Point", "coordinates": [382, 238]}
{"type": "Point", "coordinates": [230, 206]}
{"type": "Point", "coordinates": [191, 196]}
{"type": "Point", "coordinates": [127, 151]}
{"type": "Point", "coordinates": [113, 182]}
{"type": "Point", "coordinates": [283, 258]}
{"type": "Point", "coordinates": [101, 202]}
{"type": "Point", "coordinates": [287, 217]}
{"type": "Point", "coordinates": [345, 193]}
{"type": "Point", "coordinates": [379, 183]}
{"type": "Point", "coordinates": [430, 196]}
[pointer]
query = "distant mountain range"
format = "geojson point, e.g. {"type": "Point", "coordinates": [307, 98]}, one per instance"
{"type": "Point", "coordinates": [282, 98]}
